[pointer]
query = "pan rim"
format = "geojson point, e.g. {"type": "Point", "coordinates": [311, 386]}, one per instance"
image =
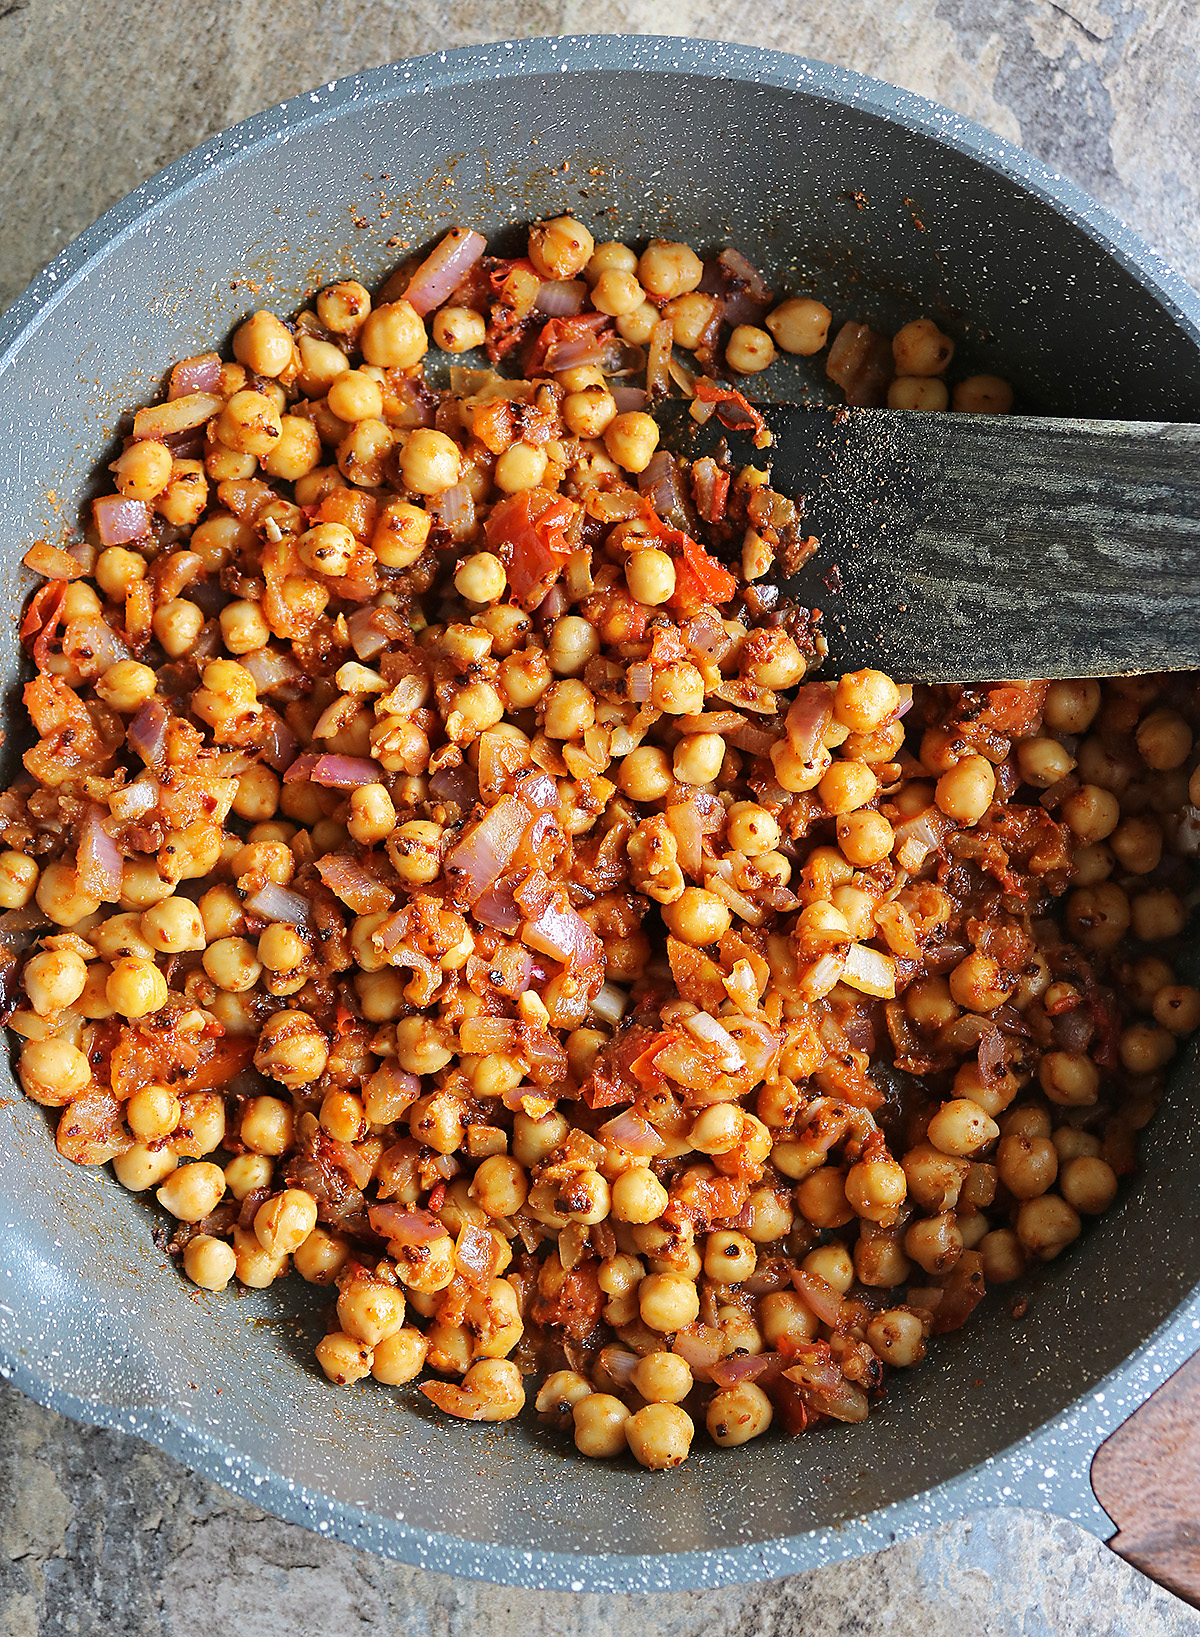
{"type": "Point", "coordinates": [1064, 1444]}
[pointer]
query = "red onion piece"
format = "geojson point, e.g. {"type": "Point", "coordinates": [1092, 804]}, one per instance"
{"type": "Point", "coordinates": [481, 1036]}
{"type": "Point", "coordinates": [991, 1056]}
{"type": "Point", "coordinates": [454, 509]}
{"type": "Point", "coordinates": [561, 298]}
{"type": "Point", "coordinates": [574, 352]}
{"type": "Point", "coordinates": [497, 908]}
{"type": "Point", "coordinates": [403, 1225]}
{"type": "Point", "coordinates": [276, 903]}
{"type": "Point", "coordinates": [420, 404]}
{"type": "Point", "coordinates": [146, 735]}
{"type": "Point", "coordinates": [458, 785]}
{"type": "Point", "coordinates": [742, 275]}
{"type": "Point", "coordinates": [819, 1296]}
{"type": "Point", "coordinates": [553, 604]}
{"type": "Point", "coordinates": [662, 485]}
{"type": "Point", "coordinates": [1073, 1031]}
{"type": "Point", "coordinates": [134, 800]}
{"type": "Point", "coordinates": [824, 1387]}
{"type": "Point", "coordinates": [563, 934]}
{"type": "Point", "coordinates": [632, 1133]}
{"type": "Point", "coordinates": [365, 893]}
{"type": "Point", "coordinates": [279, 743]}
{"type": "Point", "coordinates": [684, 822]}
{"type": "Point", "coordinates": [118, 521]}
{"type": "Point", "coordinates": [199, 374]}
{"type": "Point", "coordinates": [444, 269]}
{"type": "Point", "coordinates": [93, 645]}
{"type": "Point", "coordinates": [809, 718]}
{"type": "Point", "coordinates": [861, 363]}
{"type": "Point", "coordinates": [476, 1255]}
{"type": "Point", "coordinates": [639, 681]}
{"type": "Point", "coordinates": [620, 1364]}
{"type": "Point", "coordinates": [731, 1372]}
{"type": "Point", "coordinates": [628, 398]}
{"type": "Point", "coordinates": [486, 849]}
{"type": "Point", "coordinates": [334, 772]}
{"type": "Point", "coordinates": [272, 668]}
{"type": "Point", "coordinates": [658, 358]}
{"type": "Point", "coordinates": [366, 638]}
{"type": "Point", "coordinates": [539, 792]}
{"type": "Point", "coordinates": [700, 1345]}
{"type": "Point", "coordinates": [98, 862]}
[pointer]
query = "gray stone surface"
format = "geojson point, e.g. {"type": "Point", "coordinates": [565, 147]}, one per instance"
{"type": "Point", "coordinates": [100, 1533]}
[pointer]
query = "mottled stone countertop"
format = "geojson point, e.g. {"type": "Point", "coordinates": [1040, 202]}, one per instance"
{"type": "Point", "coordinates": [100, 1533]}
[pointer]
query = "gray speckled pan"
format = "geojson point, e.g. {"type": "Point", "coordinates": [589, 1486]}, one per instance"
{"type": "Point", "coordinates": [884, 205]}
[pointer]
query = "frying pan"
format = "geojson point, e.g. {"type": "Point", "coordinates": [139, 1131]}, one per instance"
{"type": "Point", "coordinates": [886, 207]}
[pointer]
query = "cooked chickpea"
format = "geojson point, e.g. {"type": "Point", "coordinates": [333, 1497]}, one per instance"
{"type": "Point", "coordinates": [729, 1257]}
{"type": "Point", "coordinates": [246, 1172]}
{"type": "Point", "coordinates": [1088, 1184]}
{"type": "Point", "coordinates": [698, 917]}
{"type": "Point", "coordinates": [983, 395]}
{"type": "Point", "coordinates": [393, 337]}
{"type": "Point", "coordinates": [141, 1167]}
{"type": "Point", "coordinates": [399, 1357]}
{"type": "Point", "coordinates": [176, 625]}
{"type": "Point", "coordinates": [233, 964]}
{"type": "Point", "coordinates": [458, 329]}
{"type": "Point", "coordinates": [372, 814]}
{"type": "Point", "coordinates": [749, 350]}
{"type": "Point", "coordinates": [934, 1243]}
{"type": "Point", "coordinates": [600, 1425]}
{"type": "Point", "coordinates": [631, 439]}
{"type": "Point", "coordinates": [560, 248]}
{"type": "Point", "coordinates": [500, 1186]}
{"type": "Point", "coordinates": [898, 1336]}
{"type": "Point", "coordinates": [143, 470]}
{"type": "Point", "coordinates": [153, 1112]}
{"type": "Point", "coordinates": [368, 1309]}
{"type": "Point", "coordinates": [1145, 1048]}
{"type": "Point", "coordinates": [875, 1188]}
{"type": "Point", "coordinates": [18, 879]}
{"type": "Point", "coordinates": [249, 424]}
{"type": "Point", "coordinates": [800, 325]}
{"type": "Point", "coordinates": [481, 578]}
{"type": "Point", "coordinates": [978, 983]}
{"type": "Point", "coordinates": [1177, 1008]}
{"type": "Point", "coordinates": [650, 576]}
{"type": "Point", "coordinates": [264, 344]}
{"type": "Point", "coordinates": [847, 786]}
{"type": "Point", "coordinates": [1003, 1256]}
{"type": "Point", "coordinates": [667, 269]}
{"type": "Point", "coordinates": [266, 1126]}
{"type": "Point", "coordinates": [865, 837]}
{"type": "Point", "coordinates": [570, 710]}
{"type": "Point", "coordinates": [1155, 915]}
{"type": "Point", "coordinates": [343, 1358]}
{"type": "Point", "coordinates": [698, 758]}
{"type": "Point", "coordinates": [822, 1198]}
{"type": "Point", "coordinates": [54, 979]}
{"type": "Point", "coordinates": [53, 1071]}
{"type": "Point", "coordinates": [678, 689]}
{"type": "Point", "coordinates": [118, 571]}
{"type": "Point", "coordinates": [1047, 1225]}
{"type": "Point", "coordinates": [920, 348]}
{"type": "Point", "coordinates": [659, 1435]}
{"type": "Point", "coordinates": [920, 392]}
{"type": "Point", "coordinates": [193, 1191]}
{"type": "Point", "coordinates": [667, 1302]}
{"type": "Point", "coordinates": [209, 1262]}
{"type": "Point", "coordinates": [291, 1049]}
{"type": "Point", "coordinates": [965, 791]}
{"type": "Point", "coordinates": [136, 987]}
{"type": "Point", "coordinates": [430, 462]}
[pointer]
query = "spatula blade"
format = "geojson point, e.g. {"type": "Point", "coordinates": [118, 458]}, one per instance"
{"type": "Point", "coordinates": [957, 547]}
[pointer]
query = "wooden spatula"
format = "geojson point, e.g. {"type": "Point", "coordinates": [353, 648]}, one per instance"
{"type": "Point", "coordinates": [961, 547]}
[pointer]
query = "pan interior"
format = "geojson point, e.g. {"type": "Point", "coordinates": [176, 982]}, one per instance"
{"type": "Point", "coordinates": [883, 223]}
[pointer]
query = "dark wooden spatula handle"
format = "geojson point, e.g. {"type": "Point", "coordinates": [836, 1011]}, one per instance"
{"type": "Point", "coordinates": [981, 547]}
{"type": "Point", "coordinates": [1146, 1476]}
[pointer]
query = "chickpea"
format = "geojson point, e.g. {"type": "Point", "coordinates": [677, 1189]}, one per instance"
{"type": "Point", "coordinates": [118, 571]}
{"type": "Point", "coordinates": [1027, 1166]}
{"type": "Point", "coordinates": [600, 1424]}
{"type": "Point", "coordinates": [372, 814]}
{"type": "Point", "coordinates": [617, 293]}
{"type": "Point", "coordinates": [458, 329]}
{"type": "Point", "coordinates": [848, 786]}
{"type": "Point", "coordinates": [393, 337]}
{"type": "Point", "coordinates": [521, 466]}
{"type": "Point", "coordinates": [232, 964]}
{"type": "Point", "coordinates": [143, 470]}
{"type": "Point", "coordinates": [1137, 843]}
{"type": "Point", "coordinates": [921, 392]}
{"type": "Point", "coordinates": [749, 350]}
{"type": "Point", "coordinates": [343, 1358]}
{"type": "Point", "coordinates": [729, 1257]}
{"type": "Point", "coordinates": [699, 758]}
{"type": "Point", "coordinates": [266, 1126]}
{"type": "Point", "coordinates": [500, 1186]}
{"type": "Point", "coordinates": [822, 1198]}
{"type": "Point", "coordinates": [751, 830]}
{"type": "Point", "coordinates": [1155, 915]}
{"type": "Point", "coordinates": [18, 880]}
{"type": "Point", "coordinates": [786, 1317]}
{"type": "Point", "coordinates": [560, 248]}
{"type": "Point", "coordinates": [1092, 813]}
{"type": "Point", "coordinates": [1164, 740]}
{"type": "Point", "coordinates": [370, 1310]}
{"type": "Point", "coordinates": [135, 987]}
{"type": "Point", "coordinates": [58, 895]}
{"type": "Point", "coordinates": [983, 395]}
{"type": "Point", "coordinates": [176, 625]}
{"type": "Point", "coordinates": [875, 1188]}
{"type": "Point", "coordinates": [1069, 1078]}
{"type": "Point", "coordinates": [638, 1196]}
{"type": "Point", "coordinates": [638, 326]}
{"type": "Point", "coordinates": [400, 1357]}
{"type": "Point", "coordinates": [246, 1172]}
{"type": "Point", "coordinates": [264, 344]}
{"type": "Point", "coordinates": [570, 710]}
{"type": "Point", "coordinates": [668, 1302]}
{"type": "Point", "coordinates": [480, 578]}
{"type": "Point", "coordinates": [573, 642]}
{"type": "Point", "coordinates": [54, 979]}
{"type": "Point", "coordinates": [631, 439]}
{"type": "Point", "coordinates": [291, 1049]}
{"type": "Point", "coordinates": [833, 1264]}
{"type": "Point", "coordinates": [667, 269]}
{"type": "Point", "coordinates": [978, 984]}
{"type": "Point", "coordinates": [1003, 1256]}
{"type": "Point", "coordinates": [865, 837]}
{"type": "Point", "coordinates": [53, 1071]}
{"type": "Point", "coordinates": [193, 1191]}
{"type": "Point", "coordinates": [650, 576]}
{"type": "Point", "coordinates": [153, 1112]}
{"type": "Point", "coordinates": [659, 1436]}
{"type": "Point", "coordinates": [430, 462]}
{"type": "Point", "coordinates": [1047, 1225]}
{"type": "Point", "coordinates": [141, 1167]}
{"type": "Point", "coordinates": [920, 348]}
{"type": "Point", "coordinates": [249, 424]}
{"type": "Point", "coordinates": [1071, 707]}
{"type": "Point", "coordinates": [1177, 1008]}
{"type": "Point", "coordinates": [934, 1243]}
{"type": "Point", "coordinates": [645, 774]}
{"type": "Point", "coordinates": [590, 412]}
{"type": "Point", "coordinates": [898, 1336]}
{"type": "Point", "coordinates": [610, 257]}
{"type": "Point", "coordinates": [800, 325]}
{"type": "Point", "coordinates": [698, 917]}
{"type": "Point", "coordinates": [965, 791]}
{"type": "Point", "coordinates": [1088, 1184]}
{"type": "Point", "coordinates": [935, 1179]}
{"type": "Point", "coordinates": [209, 1262]}
{"type": "Point", "coordinates": [1145, 1048]}
{"type": "Point", "coordinates": [1098, 916]}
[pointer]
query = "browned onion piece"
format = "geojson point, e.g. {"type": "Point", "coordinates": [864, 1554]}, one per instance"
{"type": "Point", "coordinates": [486, 849]}
{"type": "Point", "coordinates": [365, 893]}
{"type": "Point", "coordinates": [333, 772]}
{"type": "Point", "coordinates": [272, 668]}
{"type": "Point", "coordinates": [861, 363]}
{"type": "Point", "coordinates": [146, 735]}
{"type": "Point", "coordinates": [809, 718]}
{"type": "Point", "coordinates": [632, 1133]}
{"type": "Point", "coordinates": [276, 903]}
{"type": "Point", "coordinates": [118, 521]}
{"type": "Point", "coordinates": [561, 298]}
{"type": "Point", "coordinates": [731, 1372]}
{"type": "Point", "coordinates": [98, 862]}
{"type": "Point", "coordinates": [403, 1225]}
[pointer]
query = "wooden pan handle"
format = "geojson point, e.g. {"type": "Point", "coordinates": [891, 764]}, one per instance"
{"type": "Point", "coordinates": [1146, 1476]}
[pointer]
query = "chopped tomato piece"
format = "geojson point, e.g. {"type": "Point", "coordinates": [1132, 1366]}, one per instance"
{"type": "Point", "coordinates": [532, 533]}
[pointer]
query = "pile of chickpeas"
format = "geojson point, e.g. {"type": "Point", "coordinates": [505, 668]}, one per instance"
{"type": "Point", "coordinates": [872, 991]}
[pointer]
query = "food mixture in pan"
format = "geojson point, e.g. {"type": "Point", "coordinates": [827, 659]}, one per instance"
{"type": "Point", "coordinates": [439, 874]}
